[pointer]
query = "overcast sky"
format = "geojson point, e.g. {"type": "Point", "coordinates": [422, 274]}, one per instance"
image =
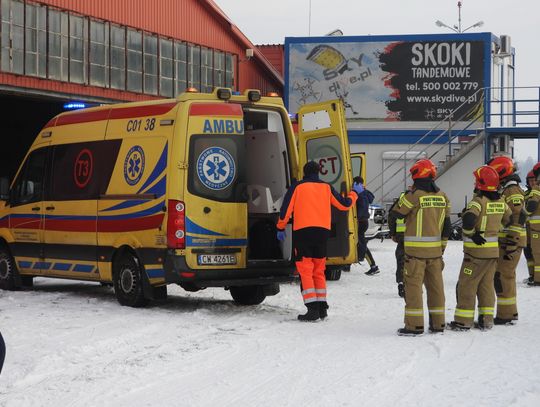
{"type": "Point", "coordinates": [270, 21]}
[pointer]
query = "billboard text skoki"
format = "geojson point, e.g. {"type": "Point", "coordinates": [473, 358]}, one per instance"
{"type": "Point", "coordinates": [399, 81]}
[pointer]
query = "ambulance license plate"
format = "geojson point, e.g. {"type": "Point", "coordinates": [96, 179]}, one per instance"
{"type": "Point", "coordinates": [205, 259]}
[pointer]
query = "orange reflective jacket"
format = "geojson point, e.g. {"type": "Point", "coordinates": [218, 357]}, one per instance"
{"type": "Point", "coordinates": [310, 200]}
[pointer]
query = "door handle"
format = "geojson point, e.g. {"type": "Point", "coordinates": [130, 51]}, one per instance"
{"type": "Point", "coordinates": [35, 208]}
{"type": "Point", "coordinates": [50, 208]}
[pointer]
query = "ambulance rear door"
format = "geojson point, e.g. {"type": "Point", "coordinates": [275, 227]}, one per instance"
{"type": "Point", "coordinates": [358, 162]}
{"type": "Point", "coordinates": [216, 208]}
{"type": "Point", "coordinates": [322, 137]}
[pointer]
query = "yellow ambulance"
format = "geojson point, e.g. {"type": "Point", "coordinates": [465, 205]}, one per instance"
{"type": "Point", "coordinates": [185, 191]}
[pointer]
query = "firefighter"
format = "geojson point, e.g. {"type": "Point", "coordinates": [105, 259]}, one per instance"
{"type": "Point", "coordinates": [397, 229]}
{"type": "Point", "coordinates": [512, 239]}
{"type": "Point", "coordinates": [530, 181]}
{"type": "Point", "coordinates": [532, 213]}
{"type": "Point", "coordinates": [426, 210]}
{"type": "Point", "coordinates": [481, 223]}
{"type": "Point", "coordinates": [310, 200]}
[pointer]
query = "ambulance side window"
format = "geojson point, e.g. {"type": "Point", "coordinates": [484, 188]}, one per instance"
{"type": "Point", "coordinates": [82, 171]}
{"type": "Point", "coordinates": [28, 187]}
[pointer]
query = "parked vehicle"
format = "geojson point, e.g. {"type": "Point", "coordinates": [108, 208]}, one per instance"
{"type": "Point", "coordinates": [186, 191]}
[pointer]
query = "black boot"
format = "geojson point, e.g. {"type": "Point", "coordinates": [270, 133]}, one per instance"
{"type": "Point", "coordinates": [401, 290]}
{"type": "Point", "coordinates": [410, 332]}
{"type": "Point", "coordinates": [503, 321]}
{"type": "Point", "coordinates": [323, 309]}
{"type": "Point", "coordinates": [373, 270]}
{"type": "Point", "coordinates": [312, 313]}
{"type": "Point", "coordinates": [456, 326]}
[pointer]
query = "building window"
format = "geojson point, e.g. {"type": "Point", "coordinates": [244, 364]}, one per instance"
{"type": "Point", "coordinates": [206, 70]}
{"type": "Point", "coordinates": [229, 70]}
{"type": "Point", "coordinates": [219, 68]}
{"type": "Point", "coordinates": [77, 49]}
{"type": "Point", "coordinates": [134, 61]}
{"type": "Point", "coordinates": [194, 66]}
{"type": "Point", "coordinates": [58, 45]}
{"type": "Point", "coordinates": [150, 64]}
{"type": "Point", "coordinates": [99, 53]}
{"type": "Point", "coordinates": [166, 68]}
{"type": "Point", "coordinates": [180, 61]}
{"type": "Point", "coordinates": [36, 41]}
{"type": "Point", "coordinates": [118, 57]}
{"type": "Point", "coordinates": [12, 36]}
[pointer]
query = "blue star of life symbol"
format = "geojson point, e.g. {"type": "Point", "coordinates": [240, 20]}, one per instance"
{"type": "Point", "coordinates": [134, 165]}
{"type": "Point", "coordinates": [216, 168]}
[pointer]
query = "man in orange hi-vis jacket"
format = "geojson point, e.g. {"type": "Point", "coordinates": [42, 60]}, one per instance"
{"type": "Point", "coordinates": [310, 200]}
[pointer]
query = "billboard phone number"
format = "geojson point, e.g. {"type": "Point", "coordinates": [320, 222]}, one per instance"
{"type": "Point", "coordinates": [428, 86]}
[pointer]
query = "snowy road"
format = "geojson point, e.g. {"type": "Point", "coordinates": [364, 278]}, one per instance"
{"type": "Point", "coordinates": [71, 344]}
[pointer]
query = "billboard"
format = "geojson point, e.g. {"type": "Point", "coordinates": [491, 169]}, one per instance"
{"type": "Point", "coordinates": [408, 81]}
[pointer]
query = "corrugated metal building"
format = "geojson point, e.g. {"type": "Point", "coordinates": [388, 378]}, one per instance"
{"type": "Point", "coordinates": [106, 51]}
{"type": "Point", "coordinates": [116, 50]}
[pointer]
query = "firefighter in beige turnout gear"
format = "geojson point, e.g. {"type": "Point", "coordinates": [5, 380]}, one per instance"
{"type": "Point", "coordinates": [531, 211]}
{"type": "Point", "coordinates": [426, 211]}
{"type": "Point", "coordinates": [482, 221]}
{"type": "Point", "coordinates": [512, 240]}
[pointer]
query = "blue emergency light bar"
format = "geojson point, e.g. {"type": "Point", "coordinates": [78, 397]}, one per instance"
{"type": "Point", "coordinates": [74, 105]}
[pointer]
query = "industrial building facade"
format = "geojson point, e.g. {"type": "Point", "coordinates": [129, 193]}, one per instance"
{"type": "Point", "coordinates": [106, 51]}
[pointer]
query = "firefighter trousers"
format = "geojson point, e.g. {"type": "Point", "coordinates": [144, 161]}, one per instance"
{"type": "Point", "coordinates": [476, 280]}
{"type": "Point", "coordinates": [313, 280]}
{"type": "Point", "coordinates": [505, 283]}
{"type": "Point", "coordinates": [418, 272]}
{"type": "Point", "coordinates": [535, 252]}
{"type": "Point", "coordinates": [400, 260]}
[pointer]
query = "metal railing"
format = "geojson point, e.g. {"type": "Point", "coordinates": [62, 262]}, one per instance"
{"type": "Point", "coordinates": [449, 122]}
{"type": "Point", "coordinates": [502, 107]}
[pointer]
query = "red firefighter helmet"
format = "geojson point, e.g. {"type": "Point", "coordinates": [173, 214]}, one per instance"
{"type": "Point", "coordinates": [503, 165]}
{"type": "Point", "coordinates": [486, 178]}
{"type": "Point", "coordinates": [530, 176]}
{"type": "Point", "coordinates": [536, 170]}
{"type": "Point", "coordinates": [423, 169]}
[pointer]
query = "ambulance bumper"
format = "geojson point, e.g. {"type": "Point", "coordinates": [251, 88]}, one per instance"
{"type": "Point", "coordinates": [257, 273]}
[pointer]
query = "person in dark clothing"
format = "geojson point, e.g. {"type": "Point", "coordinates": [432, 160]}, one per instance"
{"type": "Point", "coordinates": [397, 229]}
{"type": "Point", "coordinates": [365, 197]}
{"type": "Point", "coordinates": [2, 352]}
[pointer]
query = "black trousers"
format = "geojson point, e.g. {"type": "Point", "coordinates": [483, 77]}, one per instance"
{"type": "Point", "coordinates": [400, 260]}
{"type": "Point", "coordinates": [2, 352]}
{"type": "Point", "coordinates": [362, 249]}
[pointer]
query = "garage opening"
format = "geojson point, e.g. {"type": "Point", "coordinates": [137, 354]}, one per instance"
{"type": "Point", "coordinates": [22, 119]}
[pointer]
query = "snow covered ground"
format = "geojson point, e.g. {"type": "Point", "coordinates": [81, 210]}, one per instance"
{"type": "Point", "coordinates": [71, 344]}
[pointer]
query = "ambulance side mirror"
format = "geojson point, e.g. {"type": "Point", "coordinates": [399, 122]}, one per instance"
{"type": "Point", "coordinates": [4, 189]}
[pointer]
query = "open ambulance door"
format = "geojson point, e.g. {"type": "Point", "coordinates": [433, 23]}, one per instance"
{"type": "Point", "coordinates": [358, 162]}
{"type": "Point", "coordinates": [322, 137]}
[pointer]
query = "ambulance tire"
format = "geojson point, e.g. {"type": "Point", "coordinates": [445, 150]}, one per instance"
{"type": "Point", "coordinates": [332, 273]}
{"type": "Point", "coordinates": [9, 275]}
{"type": "Point", "coordinates": [127, 282]}
{"type": "Point", "coordinates": [248, 294]}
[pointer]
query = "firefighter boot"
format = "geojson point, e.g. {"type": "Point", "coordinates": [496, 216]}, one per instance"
{"type": "Point", "coordinates": [323, 309]}
{"type": "Point", "coordinates": [410, 332]}
{"type": "Point", "coordinates": [312, 313]}
{"type": "Point", "coordinates": [456, 326]}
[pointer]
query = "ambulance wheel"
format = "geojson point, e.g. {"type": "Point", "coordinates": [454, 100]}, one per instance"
{"type": "Point", "coordinates": [127, 282]}
{"type": "Point", "coordinates": [248, 295]}
{"type": "Point", "coordinates": [333, 273]}
{"type": "Point", "coordinates": [8, 270]}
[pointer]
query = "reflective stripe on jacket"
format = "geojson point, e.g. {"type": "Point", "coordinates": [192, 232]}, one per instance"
{"type": "Point", "coordinates": [490, 214]}
{"type": "Point", "coordinates": [425, 214]}
{"type": "Point", "coordinates": [310, 200]}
